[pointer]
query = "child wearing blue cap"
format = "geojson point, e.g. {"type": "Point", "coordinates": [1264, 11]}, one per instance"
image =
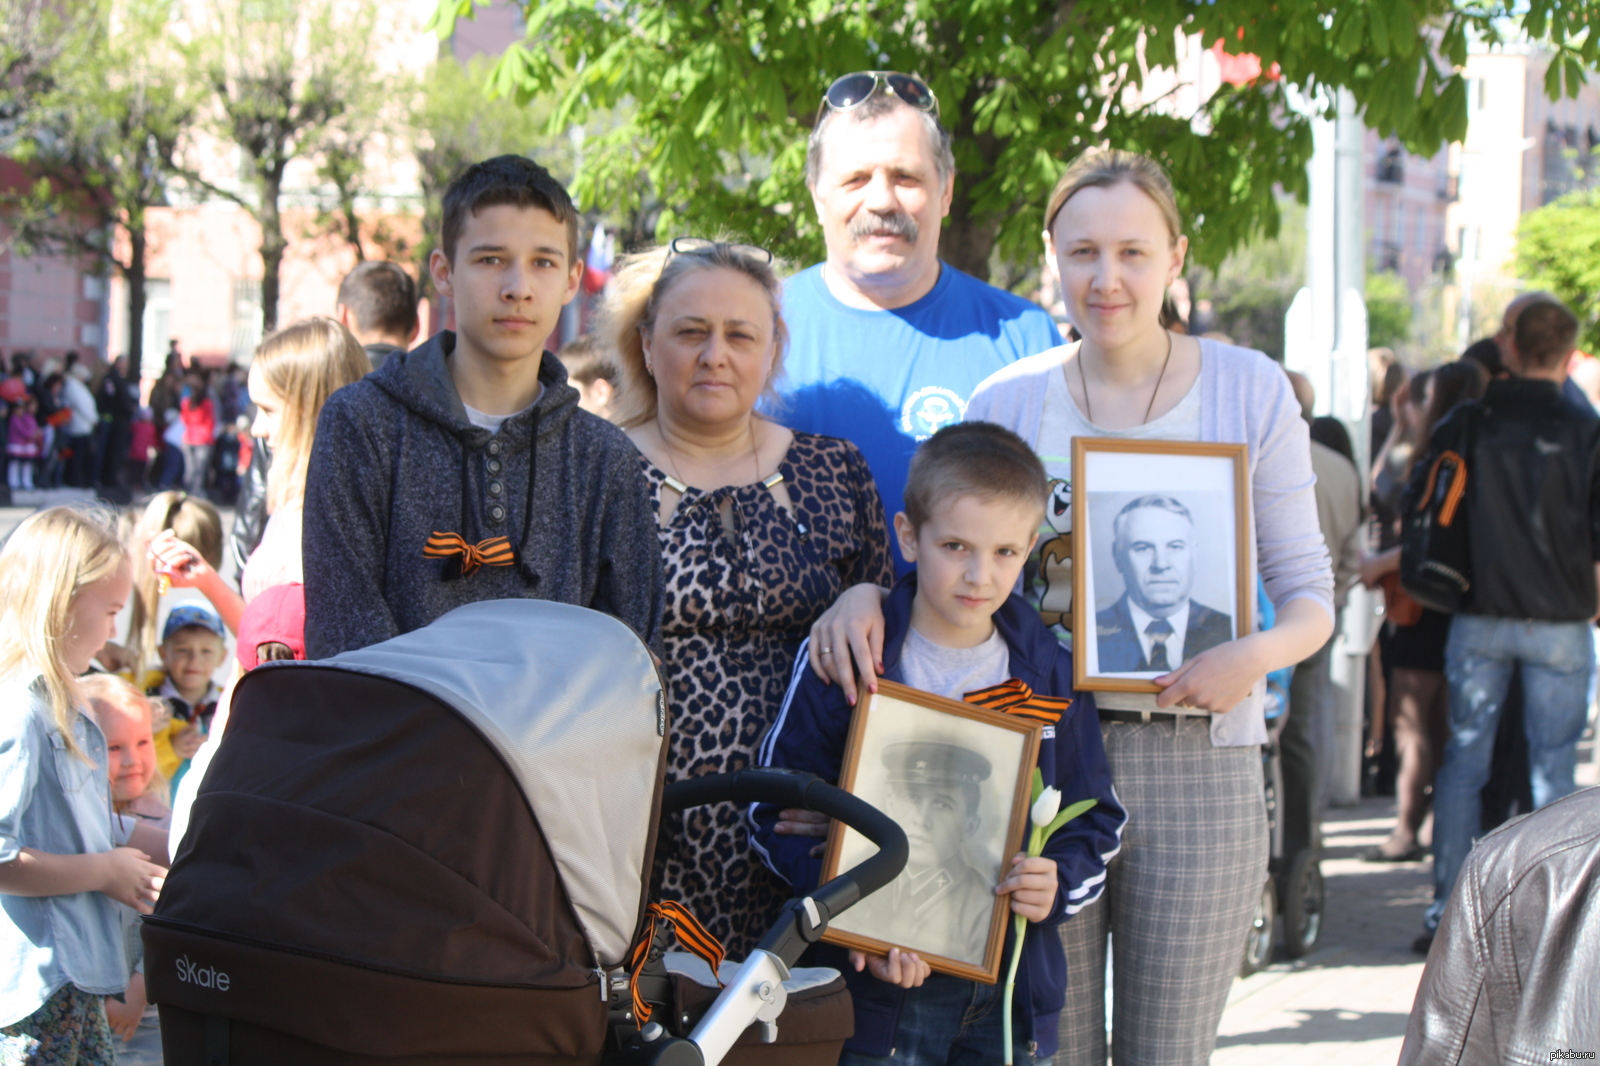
{"type": "Point", "coordinates": [193, 644]}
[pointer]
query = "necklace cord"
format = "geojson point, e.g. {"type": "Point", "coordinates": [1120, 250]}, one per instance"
{"type": "Point", "coordinates": [1088, 405]}
{"type": "Point", "coordinates": [666, 446]}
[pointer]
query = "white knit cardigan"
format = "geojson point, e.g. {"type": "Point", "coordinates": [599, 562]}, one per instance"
{"type": "Point", "coordinates": [1245, 398]}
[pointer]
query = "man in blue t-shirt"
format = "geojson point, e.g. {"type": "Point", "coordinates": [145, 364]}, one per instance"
{"type": "Point", "coordinates": [886, 342]}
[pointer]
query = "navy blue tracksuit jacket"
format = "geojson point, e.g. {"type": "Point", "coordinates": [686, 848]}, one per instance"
{"type": "Point", "coordinates": [810, 734]}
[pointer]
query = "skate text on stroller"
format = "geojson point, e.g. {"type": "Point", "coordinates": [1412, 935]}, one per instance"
{"type": "Point", "coordinates": [204, 976]}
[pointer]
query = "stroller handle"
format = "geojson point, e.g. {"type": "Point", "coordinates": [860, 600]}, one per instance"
{"type": "Point", "coordinates": [756, 992]}
{"type": "Point", "coordinates": [788, 788]}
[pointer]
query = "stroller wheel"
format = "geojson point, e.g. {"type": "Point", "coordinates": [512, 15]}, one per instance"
{"type": "Point", "coordinates": [1259, 938]}
{"type": "Point", "coordinates": [1303, 897]}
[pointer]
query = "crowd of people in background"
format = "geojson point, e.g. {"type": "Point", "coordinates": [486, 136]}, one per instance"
{"type": "Point", "coordinates": [789, 488]}
{"type": "Point", "coordinates": [1480, 711]}
{"type": "Point", "coordinates": [66, 424]}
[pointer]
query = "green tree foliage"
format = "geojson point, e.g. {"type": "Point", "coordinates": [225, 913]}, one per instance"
{"type": "Point", "coordinates": [32, 36]}
{"type": "Point", "coordinates": [103, 135]}
{"type": "Point", "coordinates": [451, 125]}
{"type": "Point", "coordinates": [1558, 248]}
{"type": "Point", "coordinates": [1389, 310]}
{"type": "Point", "coordinates": [1250, 291]}
{"type": "Point", "coordinates": [723, 93]}
{"type": "Point", "coordinates": [283, 80]}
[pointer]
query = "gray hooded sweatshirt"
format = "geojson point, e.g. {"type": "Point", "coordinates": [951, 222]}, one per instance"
{"type": "Point", "coordinates": [396, 462]}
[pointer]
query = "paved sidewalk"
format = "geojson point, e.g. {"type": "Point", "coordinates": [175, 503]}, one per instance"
{"type": "Point", "coordinates": [24, 503]}
{"type": "Point", "coordinates": [1348, 1001]}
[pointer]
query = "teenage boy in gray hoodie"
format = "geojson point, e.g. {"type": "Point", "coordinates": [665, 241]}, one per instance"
{"type": "Point", "coordinates": [464, 470]}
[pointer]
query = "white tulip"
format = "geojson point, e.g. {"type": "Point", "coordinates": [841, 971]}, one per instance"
{"type": "Point", "coordinates": [1046, 807]}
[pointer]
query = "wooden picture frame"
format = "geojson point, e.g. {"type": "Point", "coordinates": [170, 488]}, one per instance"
{"type": "Point", "coordinates": [1152, 489]}
{"type": "Point", "coordinates": [959, 780]}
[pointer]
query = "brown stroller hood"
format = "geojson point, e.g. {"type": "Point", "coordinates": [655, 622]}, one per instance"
{"type": "Point", "coordinates": [421, 851]}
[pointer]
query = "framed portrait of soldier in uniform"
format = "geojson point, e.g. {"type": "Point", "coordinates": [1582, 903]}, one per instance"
{"type": "Point", "coordinates": [957, 778]}
{"type": "Point", "coordinates": [1161, 536]}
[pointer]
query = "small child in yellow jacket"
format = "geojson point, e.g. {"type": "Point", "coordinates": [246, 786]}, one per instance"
{"type": "Point", "coordinates": [193, 645]}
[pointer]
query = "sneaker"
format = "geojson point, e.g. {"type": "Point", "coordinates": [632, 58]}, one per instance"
{"type": "Point", "coordinates": [1423, 944]}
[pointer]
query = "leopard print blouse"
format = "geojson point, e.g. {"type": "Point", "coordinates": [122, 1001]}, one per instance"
{"type": "Point", "coordinates": [737, 607]}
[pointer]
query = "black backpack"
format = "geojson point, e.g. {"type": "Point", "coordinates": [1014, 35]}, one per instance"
{"type": "Point", "coordinates": [1435, 536]}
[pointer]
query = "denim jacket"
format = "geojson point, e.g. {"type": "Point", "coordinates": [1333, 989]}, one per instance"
{"type": "Point", "coordinates": [53, 801]}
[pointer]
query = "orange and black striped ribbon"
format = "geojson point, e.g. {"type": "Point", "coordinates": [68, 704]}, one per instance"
{"type": "Point", "coordinates": [692, 936]}
{"type": "Point", "coordinates": [496, 551]}
{"type": "Point", "coordinates": [1015, 697]}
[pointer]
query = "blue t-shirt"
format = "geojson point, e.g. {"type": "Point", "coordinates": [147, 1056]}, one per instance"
{"type": "Point", "coordinates": [885, 380]}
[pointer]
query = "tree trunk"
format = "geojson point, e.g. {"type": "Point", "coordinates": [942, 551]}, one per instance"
{"type": "Point", "coordinates": [352, 222]}
{"type": "Point", "coordinates": [965, 242]}
{"type": "Point", "coordinates": [135, 275]}
{"type": "Point", "coordinates": [273, 245]}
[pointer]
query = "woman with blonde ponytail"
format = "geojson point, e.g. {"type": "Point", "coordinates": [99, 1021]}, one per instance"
{"type": "Point", "coordinates": [294, 372]}
{"type": "Point", "coordinates": [63, 578]}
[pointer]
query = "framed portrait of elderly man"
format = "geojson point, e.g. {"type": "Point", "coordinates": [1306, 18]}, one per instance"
{"type": "Point", "coordinates": [1161, 532]}
{"type": "Point", "coordinates": [957, 778]}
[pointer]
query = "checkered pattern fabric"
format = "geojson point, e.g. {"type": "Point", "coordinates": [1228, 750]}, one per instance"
{"type": "Point", "coordinates": [1178, 898]}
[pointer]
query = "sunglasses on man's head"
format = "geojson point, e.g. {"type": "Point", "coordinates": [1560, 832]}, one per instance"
{"type": "Point", "coordinates": [705, 246]}
{"type": "Point", "coordinates": [853, 90]}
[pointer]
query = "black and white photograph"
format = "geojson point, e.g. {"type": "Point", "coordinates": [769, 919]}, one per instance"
{"type": "Point", "coordinates": [956, 778]}
{"type": "Point", "coordinates": [1163, 550]}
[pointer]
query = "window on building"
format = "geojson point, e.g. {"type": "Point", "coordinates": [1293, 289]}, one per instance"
{"type": "Point", "coordinates": [157, 325]}
{"type": "Point", "coordinates": [1560, 160]}
{"type": "Point", "coordinates": [1392, 165]}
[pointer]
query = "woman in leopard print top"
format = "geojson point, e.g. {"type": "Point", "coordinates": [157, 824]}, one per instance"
{"type": "Point", "coordinates": [760, 527]}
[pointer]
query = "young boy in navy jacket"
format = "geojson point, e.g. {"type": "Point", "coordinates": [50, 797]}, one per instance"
{"type": "Point", "coordinates": [974, 502]}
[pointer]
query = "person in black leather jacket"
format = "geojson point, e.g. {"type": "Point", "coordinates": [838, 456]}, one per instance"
{"type": "Point", "coordinates": [1513, 976]}
{"type": "Point", "coordinates": [1533, 518]}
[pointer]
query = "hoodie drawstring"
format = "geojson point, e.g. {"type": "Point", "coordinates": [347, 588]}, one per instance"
{"type": "Point", "coordinates": [462, 556]}
{"type": "Point", "coordinates": [529, 574]}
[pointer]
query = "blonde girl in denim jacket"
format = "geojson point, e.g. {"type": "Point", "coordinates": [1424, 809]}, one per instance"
{"type": "Point", "coordinates": [63, 578]}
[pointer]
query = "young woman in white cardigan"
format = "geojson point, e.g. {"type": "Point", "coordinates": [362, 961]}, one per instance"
{"type": "Point", "coordinates": [1194, 853]}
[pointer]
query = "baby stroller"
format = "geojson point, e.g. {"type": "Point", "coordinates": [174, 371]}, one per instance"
{"type": "Point", "coordinates": [436, 850]}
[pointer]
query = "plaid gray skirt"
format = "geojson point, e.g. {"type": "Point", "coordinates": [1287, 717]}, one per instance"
{"type": "Point", "coordinates": [1179, 897]}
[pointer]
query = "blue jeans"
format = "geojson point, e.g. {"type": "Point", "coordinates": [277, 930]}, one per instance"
{"type": "Point", "coordinates": [949, 1021]}
{"type": "Point", "coordinates": [1556, 660]}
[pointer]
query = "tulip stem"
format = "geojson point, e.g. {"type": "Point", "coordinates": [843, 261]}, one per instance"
{"type": "Point", "coordinates": [1020, 925]}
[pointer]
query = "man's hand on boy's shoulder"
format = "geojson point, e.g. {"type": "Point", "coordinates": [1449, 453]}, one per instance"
{"type": "Point", "coordinates": [1032, 886]}
{"type": "Point", "coordinates": [902, 968]}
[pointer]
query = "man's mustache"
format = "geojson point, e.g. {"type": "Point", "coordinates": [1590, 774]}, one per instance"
{"type": "Point", "coordinates": [870, 223]}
